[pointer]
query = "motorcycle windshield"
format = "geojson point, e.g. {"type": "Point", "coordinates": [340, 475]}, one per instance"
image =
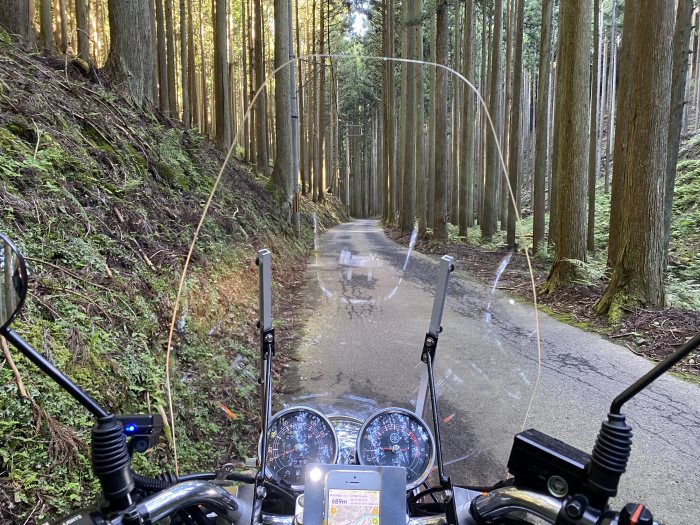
{"type": "Point", "coordinates": [368, 304]}
{"type": "Point", "coordinates": [370, 292]}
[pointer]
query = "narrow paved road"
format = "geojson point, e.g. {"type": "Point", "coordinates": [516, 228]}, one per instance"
{"type": "Point", "coordinates": [365, 320]}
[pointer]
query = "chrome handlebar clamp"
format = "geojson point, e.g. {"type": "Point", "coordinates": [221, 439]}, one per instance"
{"type": "Point", "coordinates": [188, 494]}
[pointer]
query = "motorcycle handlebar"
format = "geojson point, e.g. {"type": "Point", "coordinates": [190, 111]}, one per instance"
{"type": "Point", "coordinates": [482, 509]}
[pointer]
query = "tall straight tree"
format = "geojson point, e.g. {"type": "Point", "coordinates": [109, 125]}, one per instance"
{"type": "Point", "coordinates": [15, 19]}
{"type": "Point", "coordinates": [81, 24]}
{"type": "Point", "coordinates": [221, 81]}
{"type": "Point", "coordinates": [408, 145]}
{"type": "Point", "coordinates": [132, 61]}
{"type": "Point", "coordinates": [593, 131]}
{"type": "Point", "coordinates": [678, 92]}
{"type": "Point", "coordinates": [514, 149]}
{"type": "Point", "coordinates": [620, 171]}
{"type": "Point", "coordinates": [45, 23]}
{"type": "Point", "coordinates": [62, 26]}
{"type": "Point", "coordinates": [430, 193]}
{"type": "Point", "coordinates": [282, 174]}
{"type": "Point", "coordinates": [388, 105]}
{"type": "Point", "coordinates": [421, 187]}
{"type": "Point", "coordinates": [542, 124]}
{"type": "Point", "coordinates": [260, 106]}
{"type": "Point", "coordinates": [184, 79]}
{"type": "Point", "coordinates": [573, 78]}
{"type": "Point", "coordinates": [170, 39]}
{"type": "Point", "coordinates": [163, 99]}
{"type": "Point", "coordinates": [493, 165]}
{"type": "Point", "coordinates": [441, 175]}
{"type": "Point", "coordinates": [637, 277]}
{"type": "Point", "coordinates": [466, 171]}
{"type": "Point", "coordinates": [455, 129]}
{"type": "Point", "coordinates": [320, 112]}
{"type": "Point", "coordinates": [191, 69]}
{"type": "Point", "coordinates": [612, 77]}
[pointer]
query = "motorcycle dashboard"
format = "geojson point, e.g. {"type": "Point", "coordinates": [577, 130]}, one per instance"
{"type": "Point", "coordinates": [390, 437]}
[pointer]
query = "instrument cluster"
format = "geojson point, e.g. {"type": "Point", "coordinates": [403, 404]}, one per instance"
{"type": "Point", "coordinates": [390, 437]}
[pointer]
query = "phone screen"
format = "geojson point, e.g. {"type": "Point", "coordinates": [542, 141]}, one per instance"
{"type": "Point", "coordinates": [353, 507]}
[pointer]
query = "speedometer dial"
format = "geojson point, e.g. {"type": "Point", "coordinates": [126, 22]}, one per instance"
{"type": "Point", "coordinates": [298, 436]}
{"type": "Point", "coordinates": [397, 437]}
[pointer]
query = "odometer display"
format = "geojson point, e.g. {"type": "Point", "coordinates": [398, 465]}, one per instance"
{"type": "Point", "coordinates": [397, 437]}
{"type": "Point", "coordinates": [346, 428]}
{"type": "Point", "coordinates": [296, 437]}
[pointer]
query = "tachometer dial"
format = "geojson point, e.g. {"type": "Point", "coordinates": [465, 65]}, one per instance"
{"type": "Point", "coordinates": [298, 436]}
{"type": "Point", "coordinates": [397, 437]}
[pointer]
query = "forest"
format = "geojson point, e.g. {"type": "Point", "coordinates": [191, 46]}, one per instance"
{"type": "Point", "coordinates": [567, 130]}
{"type": "Point", "coordinates": [584, 118]}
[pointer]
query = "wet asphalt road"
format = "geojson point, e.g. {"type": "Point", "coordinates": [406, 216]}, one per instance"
{"type": "Point", "coordinates": [364, 324]}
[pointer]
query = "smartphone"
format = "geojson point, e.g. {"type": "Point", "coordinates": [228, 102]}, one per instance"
{"type": "Point", "coordinates": [352, 497]}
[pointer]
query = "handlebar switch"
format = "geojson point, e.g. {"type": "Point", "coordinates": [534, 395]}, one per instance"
{"type": "Point", "coordinates": [635, 514]}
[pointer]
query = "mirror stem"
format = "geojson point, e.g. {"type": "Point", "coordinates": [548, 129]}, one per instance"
{"type": "Point", "coordinates": [653, 374]}
{"type": "Point", "coordinates": [54, 373]}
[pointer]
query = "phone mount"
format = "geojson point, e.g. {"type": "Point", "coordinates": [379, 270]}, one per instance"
{"type": "Point", "coordinates": [392, 505]}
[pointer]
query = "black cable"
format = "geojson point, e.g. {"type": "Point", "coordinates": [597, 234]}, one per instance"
{"type": "Point", "coordinates": [427, 492]}
{"type": "Point", "coordinates": [280, 491]}
{"type": "Point", "coordinates": [168, 479]}
{"type": "Point", "coordinates": [500, 484]}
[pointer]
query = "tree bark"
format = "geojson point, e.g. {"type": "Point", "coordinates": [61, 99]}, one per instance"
{"type": "Point", "coordinates": [592, 131]}
{"type": "Point", "coordinates": [81, 24]}
{"type": "Point", "coordinates": [408, 213]}
{"type": "Point", "coordinates": [466, 172]}
{"type": "Point", "coordinates": [542, 125]}
{"type": "Point", "coordinates": [388, 106]}
{"type": "Point", "coordinates": [15, 19]}
{"type": "Point", "coordinates": [493, 164]}
{"type": "Point", "coordinates": [678, 91]}
{"type": "Point", "coordinates": [573, 62]}
{"type": "Point", "coordinates": [421, 188]}
{"type": "Point", "coordinates": [221, 91]}
{"type": "Point", "coordinates": [441, 175]}
{"type": "Point", "coordinates": [192, 70]}
{"type": "Point", "coordinates": [131, 62]}
{"type": "Point", "coordinates": [430, 197]}
{"type": "Point", "coordinates": [454, 164]}
{"type": "Point", "coordinates": [62, 26]}
{"type": "Point", "coordinates": [184, 58]}
{"type": "Point", "coordinates": [637, 277]}
{"type": "Point", "coordinates": [170, 39]}
{"type": "Point", "coordinates": [163, 99]}
{"type": "Point", "coordinates": [514, 149]}
{"type": "Point", "coordinates": [260, 107]}
{"type": "Point", "coordinates": [620, 154]}
{"type": "Point", "coordinates": [282, 174]}
{"type": "Point", "coordinates": [46, 24]}
{"type": "Point", "coordinates": [320, 112]}
{"type": "Point", "coordinates": [611, 95]}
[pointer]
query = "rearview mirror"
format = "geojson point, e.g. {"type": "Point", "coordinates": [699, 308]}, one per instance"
{"type": "Point", "coordinates": [13, 282]}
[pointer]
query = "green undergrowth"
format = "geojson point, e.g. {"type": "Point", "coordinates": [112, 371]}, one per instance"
{"type": "Point", "coordinates": [683, 274]}
{"type": "Point", "coordinates": [104, 201]}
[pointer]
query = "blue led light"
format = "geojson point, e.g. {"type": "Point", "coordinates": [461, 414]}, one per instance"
{"type": "Point", "coordinates": [130, 428]}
